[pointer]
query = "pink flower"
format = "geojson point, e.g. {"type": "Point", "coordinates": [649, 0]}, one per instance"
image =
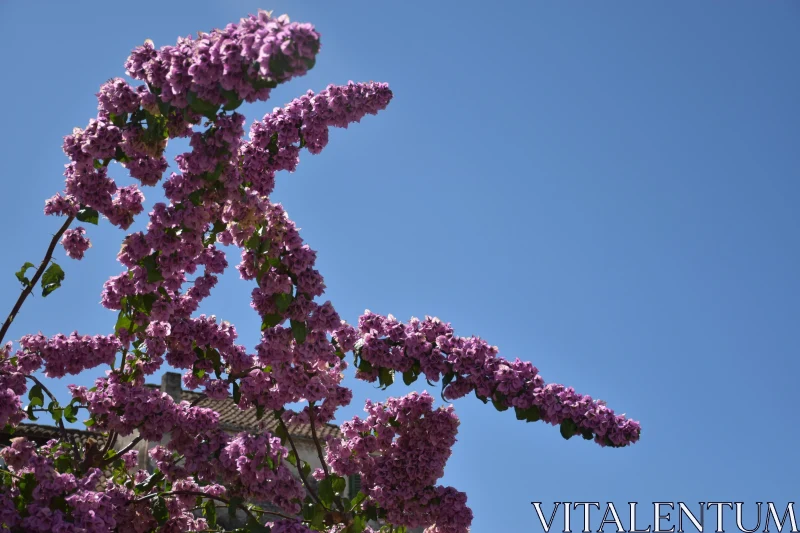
{"type": "Point", "coordinates": [75, 243]}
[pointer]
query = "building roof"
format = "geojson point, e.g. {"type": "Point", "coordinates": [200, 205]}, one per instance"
{"type": "Point", "coordinates": [40, 434]}
{"type": "Point", "coordinates": [233, 419]}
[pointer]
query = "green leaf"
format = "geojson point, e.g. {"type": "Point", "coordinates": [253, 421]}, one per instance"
{"type": "Point", "coordinates": [63, 463]}
{"type": "Point", "coordinates": [214, 175]}
{"type": "Point", "coordinates": [160, 511]}
{"type": "Point", "coordinates": [36, 396]}
{"type": "Point", "coordinates": [233, 505]}
{"type": "Point", "coordinates": [26, 486]}
{"type": "Point", "coordinates": [531, 414]}
{"type": "Point", "coordinates": [271, 321]}
{"type": "Point", "coordinates": [282, 301]}
{"type": "Point", "coordinates": [55, 411]}
{"type": "Point", "coordinates": [151, 265]}
{"type": "Point", "coordinates": [447, 379]}
{"type": "Point", "coordinates": [568, 428]}
{"type": "Point", "coordinates": [52, 278]}
{"type": "Point", "coordinates": [120, 156]}
{"type": "Point", "coordinates": [292, 458]}
{"type": "Point", "coordinates": [308, 510]}
{"type": "Point", "coordinates": [358, 525]}
{"type": "Point", "coordinates": [587, 434]}
{"type": "Point", "coordinates": [123, 322]}
{"type": "Point", "coordinates": [147, 302]}
{"type": "Point", "coordinates": [210, 513]}
{"type": "Point", "coordinates": [385, 377]}
{"type": "Point", "coordinates": [500, 406]}
{"type": "Point", "coordinates": [253, 526]}
{"type": "Point", "coordinates": [326, 491]}
{"type": "Point", "coordinates": [481, 398]}
{"type": "Point", "coordinates": [29, 412]}
{"type": "Point", "coordinates": [409, 377]}
{"type": "Point", "coordinates": [21, 274]}
{"type": "Point", "coordinates": [365, 366]}
{"type": "Point", "coordinates": [237, 394]}
{"type": "Point", "coordinates": [338, 484]}
{"type": "Point", "coordinates": [356, 501]}
{"type": "Point", "coordinates": [88, 215]}
{"type": "Point", "coordinates": [197, 197]}
{"type": "Point", "coordinates": [201, 107]}
{"type": "Point", "coordinates": [233, 100]}
{"type": "Point", "coordinates": [71, 413]}
{"type": "Point", "coordinates": [281, 432]}
{"type": "Point", "coordinates": [299, 331]}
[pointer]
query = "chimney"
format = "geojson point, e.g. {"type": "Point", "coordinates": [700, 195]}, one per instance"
{"type": "Point", "coordinates": [171, 384]}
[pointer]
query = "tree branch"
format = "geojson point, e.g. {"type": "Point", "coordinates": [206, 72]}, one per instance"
{"type": "Point", "coordinates": [64, 432]}
{"type": "Point", "coordinates": [299, 466]}
{"type": "Point", "coordinates": [120, 453]}
{"type": "Point", "coordinates": [316, 440]}
{"type": "Point", "coordinates": [27, 290]}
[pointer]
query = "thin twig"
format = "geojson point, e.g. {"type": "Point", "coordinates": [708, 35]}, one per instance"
{"type": "Point", "coordinates": [120, 453]}
{"type": "Point", "coordinates": [198, 400]}
{"type": "Point", "coordinates": [210, 497]}
{"type": "Point", "coordinates": [316, 440]}
{"type": "Point", "coordinates": [68, 436]}
{"type": "Point", "coordinates": [299, 466]}
{"type": "Point", "coordinates": [110, 441]}
{"type": "Point", "coordinates": [27, 290]}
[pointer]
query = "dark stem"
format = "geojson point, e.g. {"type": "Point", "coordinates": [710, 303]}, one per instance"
{"type": "Point", "coordinates": [27, 290]}
{"type": "Point", "coordinates": [198, 400]}
{"type": "Point", "coordinates": [316, 440]}
{"type": "Point", "coordinates": [112, 439]}
{"type": "Point", "coordinates": [64, 432]}
{"type": "Point", "coordinates": [210, 497]}
{"type": "Point", "coordinates": [299, 466]}
{"type": "Point", "coordinates": [120, 453]}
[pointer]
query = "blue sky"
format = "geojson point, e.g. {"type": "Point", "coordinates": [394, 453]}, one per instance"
{"type": "Point", "coordinates": [607, 189]}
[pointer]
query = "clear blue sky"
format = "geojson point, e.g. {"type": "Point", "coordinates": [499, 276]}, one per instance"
{"type": "Point", "coordinates": [607, 189]}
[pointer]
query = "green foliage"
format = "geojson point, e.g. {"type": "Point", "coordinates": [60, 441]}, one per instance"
{"type": "Point", "coordinates": [210, 513]}
{"type": "Point", "coordinates": [202, 107]}
{"type": "Point", "coordinates": [568, 428]}
{"type": "Point", "coordinates": [385, 377]}
{"type": "Point", "coordinates": [150, 264]}
{"type": "Point", "coordinates": [52, 278]}
{"type": "Point", "coordinates": [88, 215]}
{"type": "Point", "coordinates": [299, 331]}
{"type": "Point", "coordinates": [160, 511]}
{"type": "Point", "coordinates": [530, 414]}
{"type": "Point", "coordinates": [21, 274]}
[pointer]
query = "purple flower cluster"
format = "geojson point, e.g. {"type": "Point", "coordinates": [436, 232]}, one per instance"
{"type": "Point", "coordinates": [303, 362]}
{"type": "Point", "coordinates": [223, 67]}
{"type": "Point", "coordinates": [91, 510]}
{"type": "Point", "coordinates": [400, 450]}
{"type": "Point", "coordinates": [468, 364]}
{"type": "Point", "coordinates": [219, 195]}
{"type": "Point", "coordinates": [88, 503]}
{"type": "Point", "coordinates": [255, 468]}
{"type": "Point", "coordinates": [246, 59]}
{"type": "Point", "coordinates": [70, 354]}
{"type": "Point", "coordinates": [276, 140]}
{"type": "Point", "coordinates": [13, 385]}
{"type": "Point", "coordinates": [75, 243]}
{"type": "Point", "coordinates": [124, 407]}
